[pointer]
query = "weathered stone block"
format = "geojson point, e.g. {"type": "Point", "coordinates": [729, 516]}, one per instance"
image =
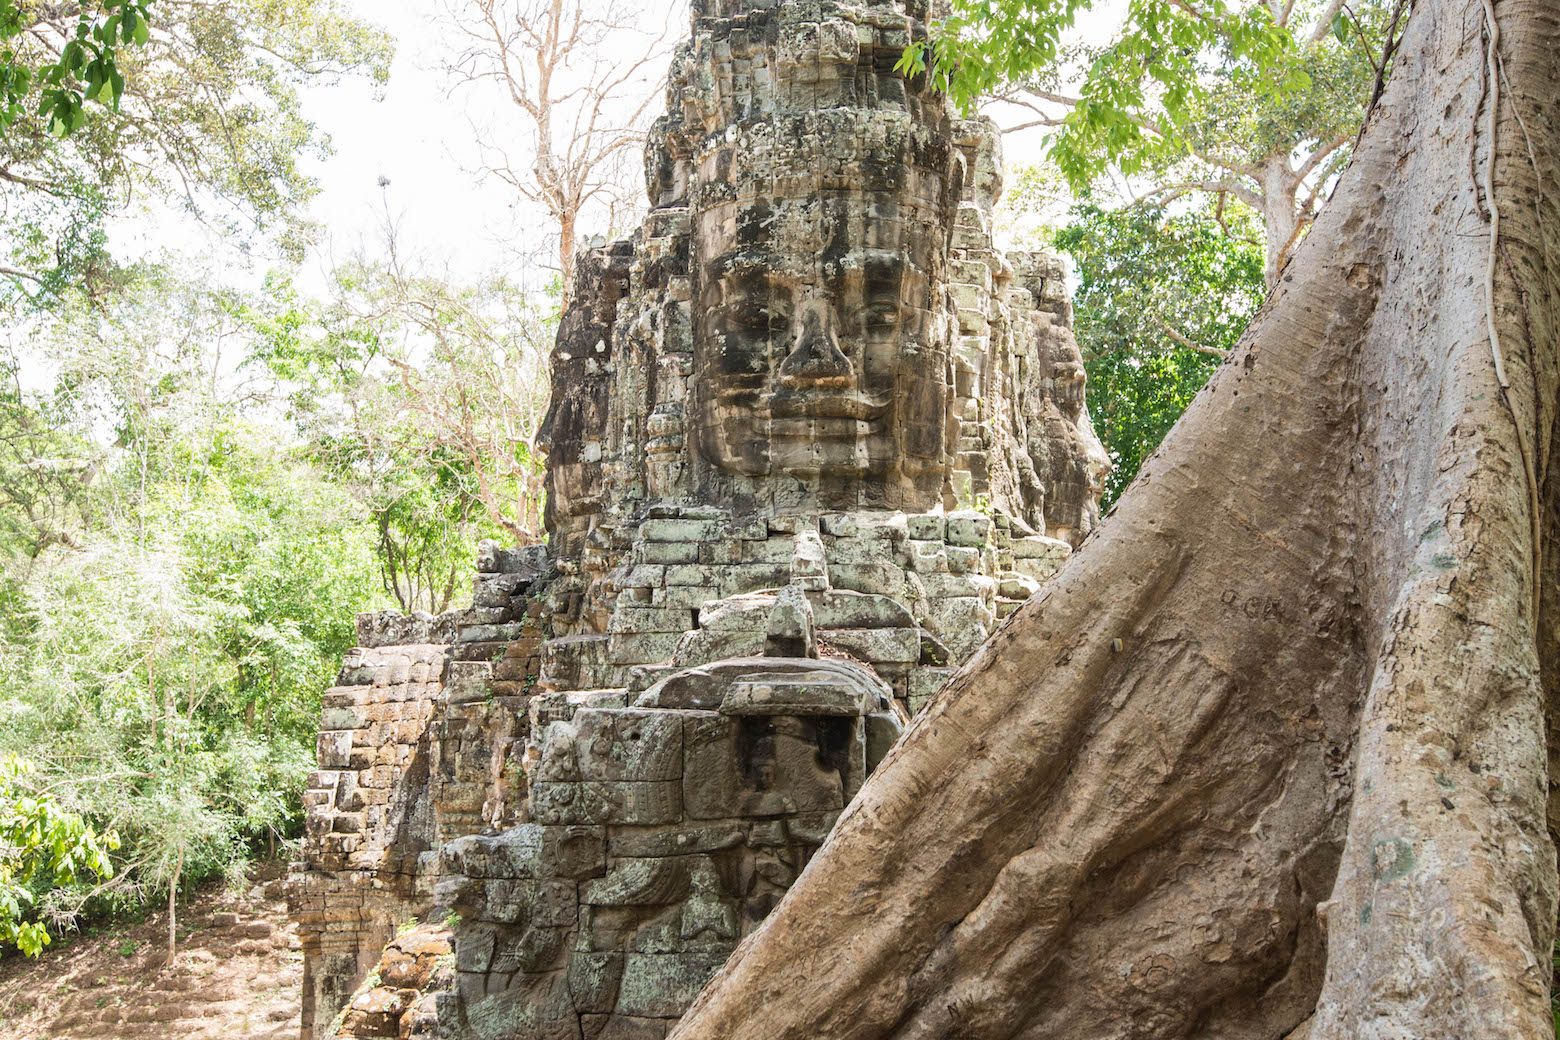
{"type": "Point", "coordinates": [531, 904]}
{"type": "Point", "coordinates": [969, 528]}
{"type": "Point", "coordinates": [642, 648]}
{"type": "Point", "coordinates": [614, 744]}
{"type": "Point", "coordinates": [648, 575]}
{"type": "Point", "coordinates": [772, 550]}
{"type": "Point", "coordinates": [621, 1027]}
{"type": "Point", "coordinates": [949, 586]}
{"type": "Point", "coordinates": [801, 694]}
{"type": "Point", "coordinates": [640, 882]}
{"type": "Point", "coordinates": [1017, 586]}
{"type": "Point", "coordinates": [606, 803]}
{"type": "Point", "coordinates": [528, 563]}
{"type": "Point", "coordinates": [751, 577]}
{"type": "Point", "coordinates": [536, 1007]}
{"type": "Point", "coordinates": [335, 749]}
{"type": "Point", "coordinates": [681, 530]}
{"type": "Point", "coordinates": [925, 683]}
{"type": "Point", "coordinates": [528, 851]}
{"type": "Point", "coordinates": [746, 613]}
{"type": "Point", "coordinates": [876, 645]}
{"type": "Point", "coordinates": [841, 608]}
{"type": "Point", "coordinates": [342, 718]}
{"type": "Point", "coordinates": [883, 732]}
{"type": "Point", "coordinates": [808, 561]}
{"type": "Point", "coordinates": [927, 527]}
{"type": "Point", "coordinates": [705, 646]}
{"type": "Point", "coordinates": [637, 619]}
{"type": "Point", "coordinates": [659, 985]}
{"type": "Point", "coordinates": [530, 949]}
{"type": "Point", "coordinates": [875, 578]}
{"type": "Point", "coordinates": [964, 560]}
{"type": "Point", "coordinates": [686, 597]}
{"type": "Point", "coordinates": [498, 590]}
{"type": "Point", "coordinates": [677, 840]}
{"type": "Point", "coordinates": [594, 980]}
{"type": "Point", "coordinates": [788, 627]}
{"type": "Point", "coordinates": [666, 552]}
{"type": "Point", "coordinates": [1038, 569]}
{"type": "Point", "coordinates": [692, 574]}
{"type": "Point", "coordinates": [962, 623]}
{"type": "Point", "coordinates": [1039, 547]}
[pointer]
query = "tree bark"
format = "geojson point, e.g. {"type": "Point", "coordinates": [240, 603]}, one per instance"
{"type": "Point", "coordinates": [1268, 757]}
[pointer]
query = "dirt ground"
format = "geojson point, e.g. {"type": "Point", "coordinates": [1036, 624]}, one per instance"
{"type": "Point", "coordinates": [236, 976]}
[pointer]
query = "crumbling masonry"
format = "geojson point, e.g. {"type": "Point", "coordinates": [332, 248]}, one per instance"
{"type": "Point", "coordinates": [812, 437]}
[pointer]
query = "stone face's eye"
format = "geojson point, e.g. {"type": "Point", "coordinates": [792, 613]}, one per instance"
{"type": "Point", "coordinates": [762, 318]}
{"type": "Point", "coordinates": [742, 354]}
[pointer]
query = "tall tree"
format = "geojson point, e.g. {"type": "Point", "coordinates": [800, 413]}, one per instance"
{"type": "Point", "coordinates": [209, 122]}
{"type": "Point", "coordinates": [1268, 757]}
{"type": "Point", "coordinates": [177, 588]}
{"type": "Point", "coordinates": [1255, 102]}
{"type": "Point", "coordinates": [581, 76]}
{"type": "Point", "coordinates": [423, 395]}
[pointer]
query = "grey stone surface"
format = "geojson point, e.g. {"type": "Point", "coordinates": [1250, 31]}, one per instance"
{"type": "Point", "coordinates": [811, 435]}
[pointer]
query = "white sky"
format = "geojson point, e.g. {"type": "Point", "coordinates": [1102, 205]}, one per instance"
{"type": "Point", "coordinates": [409, 137]}
{"type": "Point", "coordinates": [420, 138]}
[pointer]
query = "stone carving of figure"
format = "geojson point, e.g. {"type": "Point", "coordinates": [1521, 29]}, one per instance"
{"type": "Point", "coordinates": [821, 245]}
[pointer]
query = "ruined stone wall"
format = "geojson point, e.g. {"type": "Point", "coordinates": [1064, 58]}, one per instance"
{"type": "Point", "coordinates": [414, 745]}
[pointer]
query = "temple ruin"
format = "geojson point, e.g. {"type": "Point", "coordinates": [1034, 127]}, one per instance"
{"type": "Point", "coordinates": [812, 437]}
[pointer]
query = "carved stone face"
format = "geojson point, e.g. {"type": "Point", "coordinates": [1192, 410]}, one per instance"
{"type": "Point", "coordinates": [819, 349]}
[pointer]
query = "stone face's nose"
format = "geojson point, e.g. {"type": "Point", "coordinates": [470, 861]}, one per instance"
{"type": "Point", "coordinates": [817, 359]}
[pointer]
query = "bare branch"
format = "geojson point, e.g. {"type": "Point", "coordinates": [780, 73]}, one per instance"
{"type": "Point", "coordinates": [1189, 344]}
{"type": "Point", "coordinates": [1320, 155]}
{"type": "Point", "coordinates": [12, 272]}
{"type": "Point", "coordinates": [1244, 193]}
{"type": "Point", "coordinates": [581, 113]}
{"type": "Point", "coordinates": [1323, 24]}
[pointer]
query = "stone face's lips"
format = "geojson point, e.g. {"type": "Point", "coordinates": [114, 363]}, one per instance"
{"type": "Point", "coordinates": [823, 430]}
{"type": "Point", "coordinates": [802, 404]}
{"type": "Point", "coordinates": [792, 404]}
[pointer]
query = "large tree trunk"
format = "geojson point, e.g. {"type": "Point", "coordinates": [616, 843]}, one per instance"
{"type": "Point", "coordinates": [1268, 757]}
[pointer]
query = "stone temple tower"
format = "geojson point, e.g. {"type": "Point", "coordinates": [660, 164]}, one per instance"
{"type": "Point", "coordinates": [811, 437]}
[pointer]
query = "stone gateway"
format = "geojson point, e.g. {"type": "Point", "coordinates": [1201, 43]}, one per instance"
{"type": "Point", "coordinates": [811, 438]}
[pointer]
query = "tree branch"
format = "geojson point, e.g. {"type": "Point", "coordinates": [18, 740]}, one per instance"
{"type": "Point", "coordinates": [1188, 344]}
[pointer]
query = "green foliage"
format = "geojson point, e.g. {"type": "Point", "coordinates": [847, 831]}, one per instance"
{"type": "Point", "coordinates": [204, 118]}
{"type": "Point", "coordinates": [1233, 99]}
{"type": "Point", "coordinates": [424, 397]}
{"type": "Point", "coordinates": [181, 588]}
{"type": "Point", "coordinates": [85, 69]}
{"type": "Point", "coordinates": [42, 847]}
{"type": "Point", "coordinates": [1145, 278]}
{"type": "Point", "coordinates": [1158, 59]}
